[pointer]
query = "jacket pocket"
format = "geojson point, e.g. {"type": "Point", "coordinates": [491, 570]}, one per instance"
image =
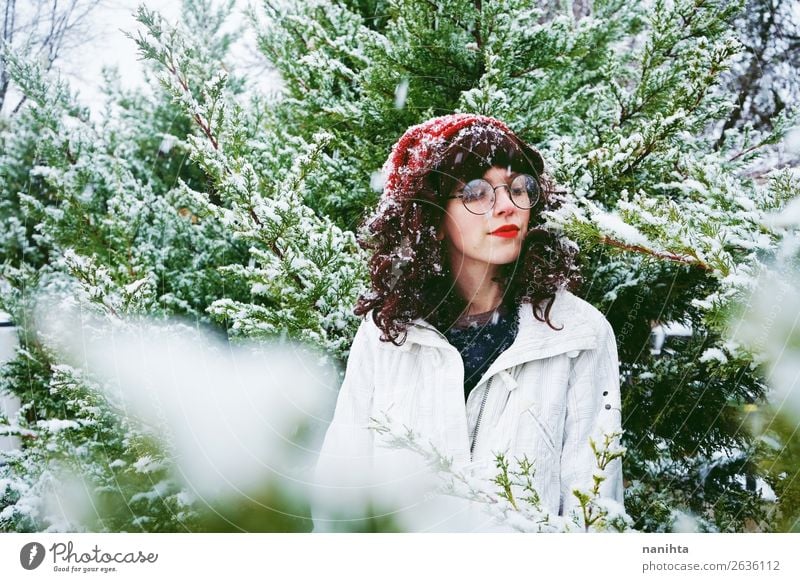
{"type": "Point", "coordinates": [532, 413]}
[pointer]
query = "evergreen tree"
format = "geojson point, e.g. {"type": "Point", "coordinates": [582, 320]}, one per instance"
{"type": "Point", "coordinates": [763, 75]}
{"type": "Point", "coordinates": [143, 214]}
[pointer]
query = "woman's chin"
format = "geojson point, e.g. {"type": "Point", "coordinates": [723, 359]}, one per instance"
{"type": "Point", "coordinates": [504, 259]}
{"type": "Point", "coordinates": [506, 254]}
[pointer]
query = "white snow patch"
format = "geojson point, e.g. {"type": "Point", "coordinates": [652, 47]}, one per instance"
{"type": "Point", "coordinates": [400, 94]}
{"type": "Point", "coordinates": [614, 225]}
{"type": "Point", "coordinates": [56, 424]}
{"type": "Point", "coordinates": [714, 354]}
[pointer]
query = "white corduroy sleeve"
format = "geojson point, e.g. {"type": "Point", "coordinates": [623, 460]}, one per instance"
{"type": "Point", "coordinates": [593, 410]}
{"type": "Point", "coordinates": [343, 468]}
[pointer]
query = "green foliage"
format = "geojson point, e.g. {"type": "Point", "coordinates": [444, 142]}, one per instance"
{"type": "Point", "coordinates": [505, 479]}
{"type": "Point", "coordinates": [304, 270]}
{"type": "Point", "coordinates": [778, 453]}
{"type": "Point", "coordinates": [83, 466]}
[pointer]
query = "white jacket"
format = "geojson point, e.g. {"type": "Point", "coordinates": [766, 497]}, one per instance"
{"type": "Point", "coordinates": [543, 397]}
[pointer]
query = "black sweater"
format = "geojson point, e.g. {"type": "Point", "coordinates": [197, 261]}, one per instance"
{"type": "Point", "coordinates": [480, 338]}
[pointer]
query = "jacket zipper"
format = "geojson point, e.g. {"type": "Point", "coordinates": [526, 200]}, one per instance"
{"type": "Point", "coordinates": [483, 400]}
{"type": "Point", "coordinates": [478, 420]}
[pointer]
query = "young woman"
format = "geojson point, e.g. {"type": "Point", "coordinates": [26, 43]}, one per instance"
{"type": "Point", "coordinates": [471, 338]}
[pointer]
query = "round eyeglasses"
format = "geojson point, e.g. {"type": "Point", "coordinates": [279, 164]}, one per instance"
{"type": "Point", "coordinates": [479, 196]}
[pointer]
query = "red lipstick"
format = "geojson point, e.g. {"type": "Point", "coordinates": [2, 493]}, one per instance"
{"type": "Point", "coordinates": [506, 231]}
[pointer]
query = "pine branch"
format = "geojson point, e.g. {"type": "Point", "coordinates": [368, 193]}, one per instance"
{"type": "Point", "coordinates": [205, 126]}
{"type": "Point", "coordinates": [658, 254]}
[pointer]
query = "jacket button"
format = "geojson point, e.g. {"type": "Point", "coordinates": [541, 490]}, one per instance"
{"type": "Point", "coordinates": [605, 393]}
{"type": "Point", "coordinates": [608, 407]}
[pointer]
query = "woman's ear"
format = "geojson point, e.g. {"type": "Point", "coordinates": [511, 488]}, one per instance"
{"type": "Point", "coordinates": [440, 234]}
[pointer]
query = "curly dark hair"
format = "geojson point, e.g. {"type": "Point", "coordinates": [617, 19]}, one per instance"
{"type": "Point", "coordinates": [409, 268]}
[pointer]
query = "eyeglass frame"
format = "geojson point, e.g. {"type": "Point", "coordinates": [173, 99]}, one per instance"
{"type": "Point", "coordinates": [494, 194]}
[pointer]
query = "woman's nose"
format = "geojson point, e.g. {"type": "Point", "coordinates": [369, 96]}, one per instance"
{"type": "Point", "coordinates": [502, 201]}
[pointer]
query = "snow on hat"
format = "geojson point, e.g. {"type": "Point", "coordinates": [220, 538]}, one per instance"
{"type": "Point", "coordinates": [422, 146]}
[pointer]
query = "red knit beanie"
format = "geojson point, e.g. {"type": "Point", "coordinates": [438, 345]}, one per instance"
{"type": "Point", "coordinates": [421, 147]}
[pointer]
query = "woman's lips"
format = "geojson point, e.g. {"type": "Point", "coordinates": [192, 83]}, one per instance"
{"type": "Point", "coordinates": [506, 231]}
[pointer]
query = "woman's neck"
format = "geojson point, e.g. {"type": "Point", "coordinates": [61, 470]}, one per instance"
{"type": "Point", "coordinates": [478, 290]}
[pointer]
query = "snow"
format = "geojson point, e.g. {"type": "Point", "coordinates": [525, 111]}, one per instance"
{"type": "Point", "coordinates": [792, 139]}
{"type": "Point", "coordinates": [745, 203]}
{"type": "Point", "coordinates": [230, 441]}
{"type": "Point", "coordinates": [158, 491]}
{"type": "Point", "coordinates": [684, 522]}
{"type": "Point", "coordinates": [704, 304]}
{"type": "Point", "coordinates": [56, 425]}
{"type": "Point", "coordinates": [613, 225]}
{"type": "Point", "coordinates": [400, 94]}
{"type": "Point", "coordinates": [147, 464]}
{"type": "Point", "coordinates": [376, 180]}
{"type": "Point", "coordinates": [299, 263]}
{"type": "Point", "coordinates": [133, 288]}
{"type": "Point", "coordinates": [789, 216]}
{"type": "Point", "coordinates": [167, 143]}
{"type": "Point", "coordinates": [767, 493]}
{"type": "Point", "coordinates": [770, 329]}
{"type": "Point", "coordinates": [714, 354]}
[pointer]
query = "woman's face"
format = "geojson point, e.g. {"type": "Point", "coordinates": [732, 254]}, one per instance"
{"type": "Point", "coordinates": [485, 241]}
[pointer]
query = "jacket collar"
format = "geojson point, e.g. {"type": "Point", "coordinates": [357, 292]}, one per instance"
{"type": "Point", "coordinates": [535, 339]}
